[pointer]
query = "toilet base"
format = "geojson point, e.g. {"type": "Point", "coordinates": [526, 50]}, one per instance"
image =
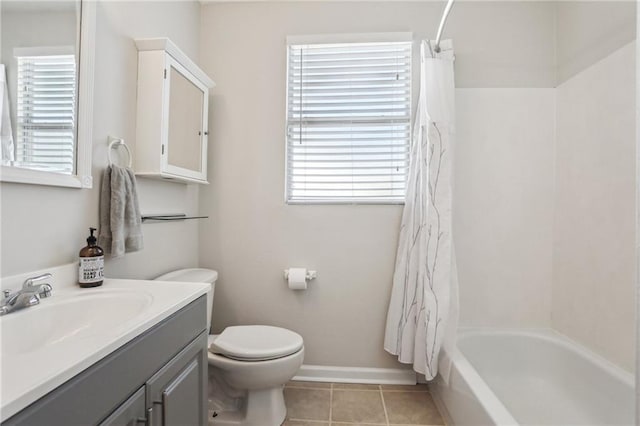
{"type": "Point", "coordinates": [262, 407]}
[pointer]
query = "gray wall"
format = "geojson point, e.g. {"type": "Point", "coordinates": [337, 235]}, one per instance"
{"type": "Point", "coordinates": [253, 235]}
{"type": "Point", "coordinates": [588, 31]}
{"type": "Point", "coordinates": [509, 57]}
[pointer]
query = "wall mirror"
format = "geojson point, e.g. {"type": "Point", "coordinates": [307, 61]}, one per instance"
{"type": "Point", "coordinates": [46, 87]}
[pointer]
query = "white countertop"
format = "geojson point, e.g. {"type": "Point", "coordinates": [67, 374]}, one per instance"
{"type": "Point", "coordinates": [28, 374]}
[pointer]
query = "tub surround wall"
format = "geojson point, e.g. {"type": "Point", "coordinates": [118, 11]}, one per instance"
{"type": "Point", "coordinates": [503, 205]}
{"type": "Point", "coordinates": [594, 226]}
{"type": "Point", "coordinates": [253, 235]}
{"type": "Point", "coordinates": [47, 226]}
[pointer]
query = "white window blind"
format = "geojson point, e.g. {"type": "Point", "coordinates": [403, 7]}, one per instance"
{"type": "Point", "coordinates": [348, 122]}
{"type": "Point", "coordinates": [46, 112]}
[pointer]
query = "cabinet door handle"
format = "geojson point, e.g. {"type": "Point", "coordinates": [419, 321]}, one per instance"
{"type": "Point", "coordinates": [163, 413]}
{"type": "Point", "coordinates": [163, 404]}
{"type": "Point", "coordinates": [149, 420]}
{"type": "Point", "coordinates": [165, 394]}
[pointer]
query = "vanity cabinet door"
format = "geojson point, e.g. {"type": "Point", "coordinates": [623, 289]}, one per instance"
{"type": "Point", "coordinates": [176, 394]}
{"type": "Point", "coordinates": [131, 413]}
{"type": "Point", "coordinates": [186, 146]}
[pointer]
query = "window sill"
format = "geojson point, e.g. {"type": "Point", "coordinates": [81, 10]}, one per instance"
{"type": "Point", "coordinates": [38, 177]}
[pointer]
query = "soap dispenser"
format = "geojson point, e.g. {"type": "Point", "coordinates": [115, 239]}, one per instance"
{"type": "Point", "coordinates": [91, 265]}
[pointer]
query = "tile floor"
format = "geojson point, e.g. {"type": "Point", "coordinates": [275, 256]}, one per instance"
{"type": "Point", "coordinates": [339, 404]}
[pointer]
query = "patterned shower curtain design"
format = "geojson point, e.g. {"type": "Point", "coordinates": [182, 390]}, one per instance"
{"type": "Point", "coordinates": [424, 278]}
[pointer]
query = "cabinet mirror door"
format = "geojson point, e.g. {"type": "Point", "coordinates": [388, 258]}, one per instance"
{"type": "Point", "coordinates": [185, 149]}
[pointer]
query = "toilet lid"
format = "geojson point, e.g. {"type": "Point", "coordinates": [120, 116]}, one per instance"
{"type": "Point", "coordinates": [191, 275]}
{"type": "Point", "coordinates": [256, 342]}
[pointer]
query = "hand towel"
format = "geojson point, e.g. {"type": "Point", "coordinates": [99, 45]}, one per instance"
{"type": "Point", "coordinates": [6, 132]}
{"type": "Point", "coordinates": [120, 219]}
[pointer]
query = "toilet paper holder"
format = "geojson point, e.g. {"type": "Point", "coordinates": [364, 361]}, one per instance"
{"type": "Point", "coordinates": [310, 275]}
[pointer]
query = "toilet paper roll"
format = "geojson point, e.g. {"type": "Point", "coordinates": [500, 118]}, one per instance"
{"type": "Point", "coordinates": [297, 278]}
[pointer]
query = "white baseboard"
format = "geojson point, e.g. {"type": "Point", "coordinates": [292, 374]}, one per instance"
{"type": "Point", "coordinates": [381, 376]}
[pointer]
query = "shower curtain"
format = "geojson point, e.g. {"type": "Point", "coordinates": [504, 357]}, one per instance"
{"type": "Point", "coordinates": [422, 312]}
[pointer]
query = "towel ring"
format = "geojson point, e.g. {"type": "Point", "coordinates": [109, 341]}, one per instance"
{"type": "Point", "coordinates": [115, 143]}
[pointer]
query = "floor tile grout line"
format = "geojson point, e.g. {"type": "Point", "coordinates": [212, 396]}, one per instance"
{"type": "Point", "coordinates": [308, 387]}
{"type": "Point", "coordinates": [355, 423]}
{"type": "Point", "coordinates": [401, 388]}
{"type": "Point", "coordinates": [330, 405]}
{"type": "Point", "coordinates": [384, 406]}
{"type": "Point", "coordinates": [360, 390]}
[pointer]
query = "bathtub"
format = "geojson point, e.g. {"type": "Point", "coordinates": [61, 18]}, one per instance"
{"type": "Point", "coordinates": [516, 377]}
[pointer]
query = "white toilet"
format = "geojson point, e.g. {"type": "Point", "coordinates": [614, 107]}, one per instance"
{"type": "Point", "coordinates": [255, 360]}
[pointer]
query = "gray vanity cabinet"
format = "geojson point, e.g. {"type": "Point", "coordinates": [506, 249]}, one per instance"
{"type": "Point", "coordinates": [172, 396]}
{"type": "Point", "coordinates": [132, 412]}
{"type": "Point", "coordinates": [173, 393]}
{"type": "Point", "coordinates": [157, 379]}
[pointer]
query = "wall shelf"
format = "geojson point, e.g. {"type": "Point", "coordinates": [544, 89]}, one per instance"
{"type": "Point", "coordinates": [169, 217]}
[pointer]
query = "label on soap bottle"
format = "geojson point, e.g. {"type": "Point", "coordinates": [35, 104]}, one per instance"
{"type": "Point", "coordinates": [91, 270]}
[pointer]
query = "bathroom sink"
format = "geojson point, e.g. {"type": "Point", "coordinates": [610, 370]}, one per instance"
{"type": "Point", "coordinates": [43, 346]}
{"type": "Point", "coordinates": [58, 320]}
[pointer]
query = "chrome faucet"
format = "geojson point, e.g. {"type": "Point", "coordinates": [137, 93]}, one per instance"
{"type": "Point", "coordinates": [33, 289]}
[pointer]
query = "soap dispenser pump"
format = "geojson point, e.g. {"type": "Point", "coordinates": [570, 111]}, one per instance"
{"type": "Point", "coordinates": [91, 265]}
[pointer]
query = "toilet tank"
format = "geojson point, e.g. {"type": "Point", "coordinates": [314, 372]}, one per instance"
{"type": "Point", "coordinates": [195, 275]}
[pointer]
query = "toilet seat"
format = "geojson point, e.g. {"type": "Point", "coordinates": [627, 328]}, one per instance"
{"type": "Point", "coordinates": [256, 343]}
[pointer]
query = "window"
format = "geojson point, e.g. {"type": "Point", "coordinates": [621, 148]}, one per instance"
{"type": "Point", "coordinates": [46, 112]}
{"type": "Point", "coordinates": [348, 121]}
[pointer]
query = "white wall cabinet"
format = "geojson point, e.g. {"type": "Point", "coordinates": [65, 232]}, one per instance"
{"type": "Point", "coordinates": [172, 114]}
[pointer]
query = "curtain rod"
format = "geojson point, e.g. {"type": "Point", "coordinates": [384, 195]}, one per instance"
{"type": "Point", "coordinates": [445, 15]}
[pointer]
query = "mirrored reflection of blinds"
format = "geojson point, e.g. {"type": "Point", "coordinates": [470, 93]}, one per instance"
{"type": "Point", "coordinates": [46, 112]}
{"type": "Point", "coordinates": [348, 122]}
